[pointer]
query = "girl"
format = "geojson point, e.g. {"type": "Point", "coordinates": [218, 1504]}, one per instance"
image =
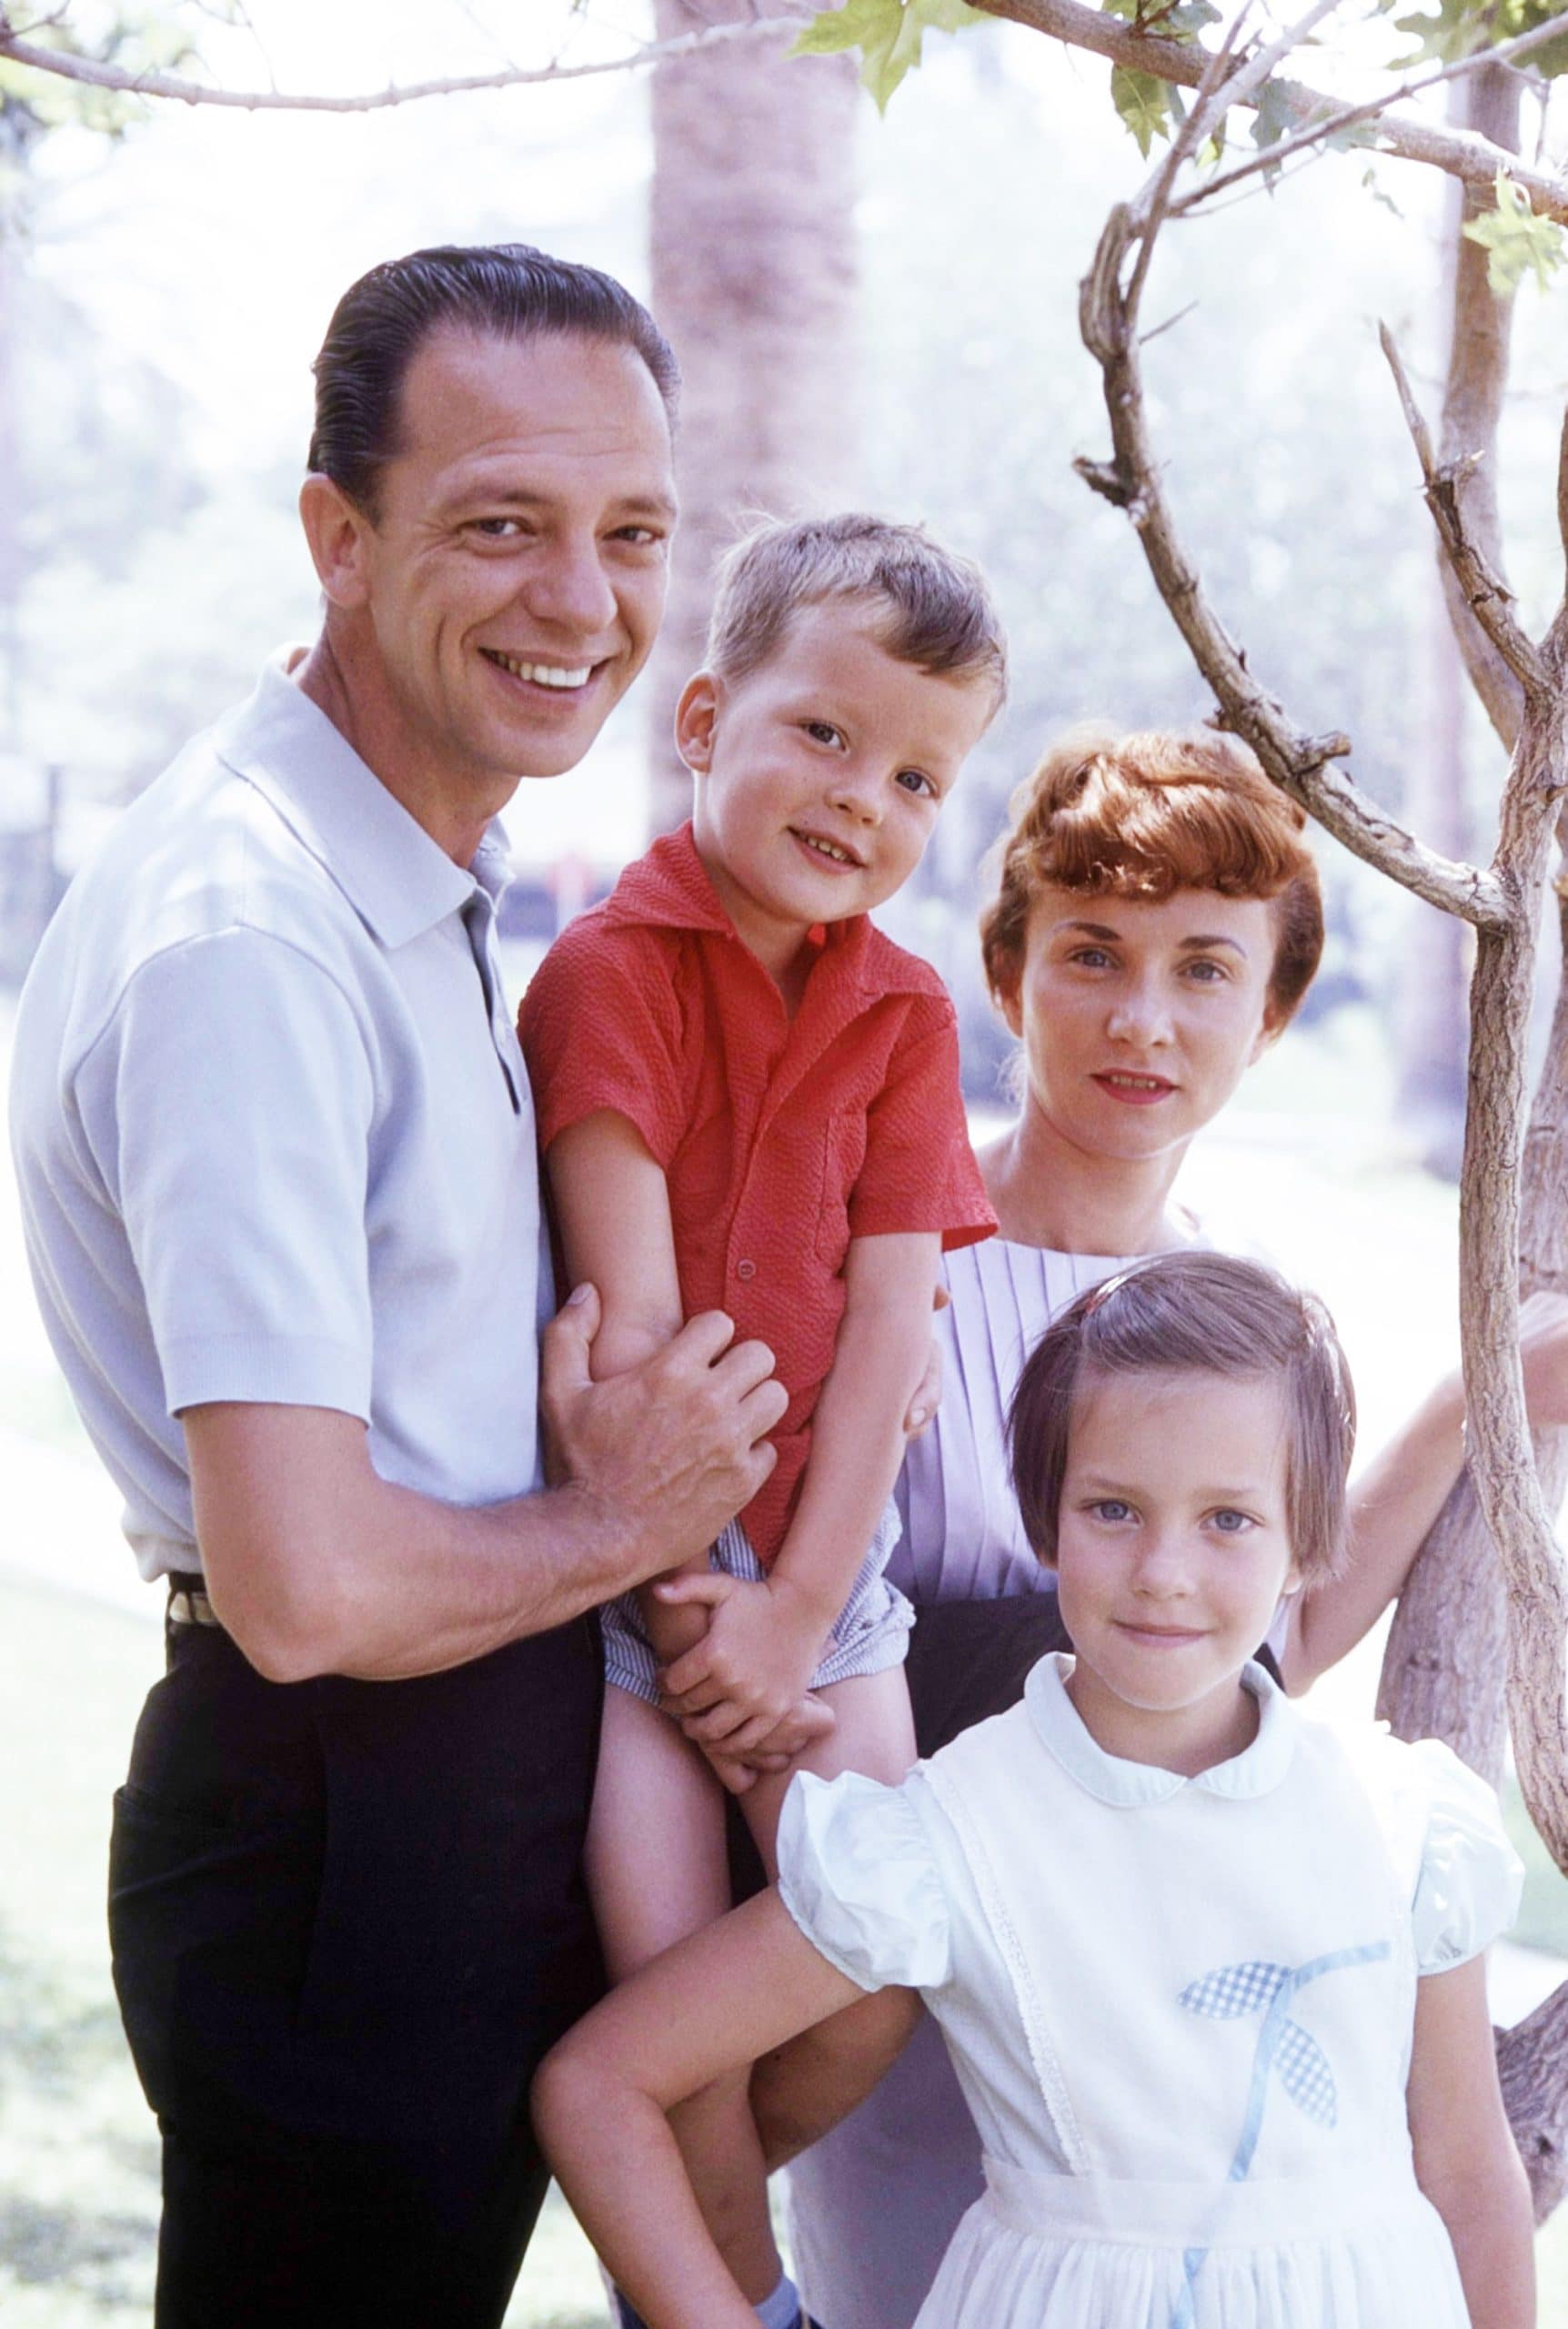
{"type": "Point", "coordinates": [1155, 923]}
{"type": "Point", "coordinates": [1239, 2070]}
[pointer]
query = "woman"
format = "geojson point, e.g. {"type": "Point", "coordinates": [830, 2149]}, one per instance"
{"type": "Point", "coordinates": [1157, 923]}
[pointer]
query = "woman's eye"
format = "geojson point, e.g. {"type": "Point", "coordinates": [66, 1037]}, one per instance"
{"type": "Point", "coordinates": [1090, 958]}
{"type": "Point", "coordinates": [1231, 1523]}
{"type": "Point", "coordinates": [1204, 973]}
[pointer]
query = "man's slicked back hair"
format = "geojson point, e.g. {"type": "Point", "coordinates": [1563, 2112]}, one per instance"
{"type": "Point", "coordinates": [928, 606]}
{"type": "Point", "coordinates": [494, 290]}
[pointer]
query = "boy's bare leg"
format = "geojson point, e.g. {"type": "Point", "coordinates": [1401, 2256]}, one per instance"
{"type": "Point", "coordinates": [657, 1871]}
{"type": "Point", "coordinates": [809, 2085]}
{"type": "Point", "coordinates": [873, 1733]}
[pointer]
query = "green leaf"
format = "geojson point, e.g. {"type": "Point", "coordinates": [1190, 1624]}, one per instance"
{"type": "Point", "coordinates": [888, 34]}
{"type": "Point", "coordinates": [1516, 242]}
{"type": "Point", "coordinates": [1180, 20]}
{"type": "Point", "coordinates": [1275, 116]}
{"type": "Point", "coordinates": [1144, 104]}
{"type": "Point", "coordinates": [1449, 31]}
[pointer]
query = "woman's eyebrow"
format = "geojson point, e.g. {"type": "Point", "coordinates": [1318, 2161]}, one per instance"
{"type": "Point", "coordinates": [1191, 946]}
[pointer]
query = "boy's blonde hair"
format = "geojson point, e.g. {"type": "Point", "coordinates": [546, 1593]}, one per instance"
{"type": "Point", "coordinates": [932, 608]}
{"type": "Point", "coordinates": [1204, 1314]}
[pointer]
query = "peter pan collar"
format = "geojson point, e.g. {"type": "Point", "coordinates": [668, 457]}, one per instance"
{"type": "Point", "coordinates": [399, 880]}
{"type": "Point", "coordinates": [1256, 1770]}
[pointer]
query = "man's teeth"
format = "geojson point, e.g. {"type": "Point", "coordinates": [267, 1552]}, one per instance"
{"type": "Point", "coordinates": [547, 675]}
{"type": "Point", "coordinates": [828, 849]}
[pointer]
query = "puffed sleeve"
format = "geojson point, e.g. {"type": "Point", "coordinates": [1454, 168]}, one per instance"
{"type": "Point", "coordinates": [1468, 1888]}
{"type": "Point", "coordinates": [857, 1874]}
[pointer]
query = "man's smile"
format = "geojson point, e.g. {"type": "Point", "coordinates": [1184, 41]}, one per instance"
{"type": "Point", "coordinates": [544, 675]}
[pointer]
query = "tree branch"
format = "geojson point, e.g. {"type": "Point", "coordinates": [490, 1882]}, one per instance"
{"type": "Point", "coordinates": [1346, 116]}
{"type": "Point", "coordinates": [121, 79]}
{"type": "Point", "coordinates": [1473, 160]}
{"type": "Point", "coordinates": [1486, 594]}
{"type": "Point", "coordinates": [1298, 762]}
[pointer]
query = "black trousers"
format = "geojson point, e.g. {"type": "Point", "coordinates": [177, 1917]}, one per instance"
{"type": "Point", "coordinates": [348, 1918]}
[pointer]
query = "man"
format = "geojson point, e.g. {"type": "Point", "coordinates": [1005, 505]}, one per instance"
{"type": "Point", "coordinates": [275, 1151]}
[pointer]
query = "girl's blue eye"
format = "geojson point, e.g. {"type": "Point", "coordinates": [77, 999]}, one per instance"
{"type": "Point", "coordinates": [1231, 1523]}
{"type": "Point", "coordinates": [1112, 1508]}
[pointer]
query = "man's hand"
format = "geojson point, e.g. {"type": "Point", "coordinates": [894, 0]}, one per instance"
{"type": "Point", "coordinates": [752, 1666]}
{"type": "Point", "coordinates": [671, 1450]}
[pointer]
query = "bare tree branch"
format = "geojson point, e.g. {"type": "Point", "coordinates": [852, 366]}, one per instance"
{"type": "Point", "coordinates": [97, 76]}
{"type": "Point", "coordinates": [1473, 160]}
{"type": "Point", "coordinates": [1486, 594]}
{"type": "Point", "coordinates": [1533, 2060]}
{"type": "Point", "coordinates": [1300, 763]}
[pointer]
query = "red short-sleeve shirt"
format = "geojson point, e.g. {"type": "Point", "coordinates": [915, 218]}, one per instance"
{"type": "Point", "coordinates": [780, 1139]}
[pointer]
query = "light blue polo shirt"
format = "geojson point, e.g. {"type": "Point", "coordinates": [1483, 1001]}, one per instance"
{"type": "Point", "coordinates": [272, 1128]}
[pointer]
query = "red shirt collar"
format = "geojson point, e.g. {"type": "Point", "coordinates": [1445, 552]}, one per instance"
{"type": "Point", "coordinates": [670, 888]}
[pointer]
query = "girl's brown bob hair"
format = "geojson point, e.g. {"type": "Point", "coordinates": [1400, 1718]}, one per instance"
{"type": "Point", "coordinates": [1207, 1314]}
{"type": "Point", "coordinates": [1143, 816]}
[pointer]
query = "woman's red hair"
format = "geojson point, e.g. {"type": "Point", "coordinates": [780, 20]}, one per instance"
{"type": "Point", "coordinates": [1142, 816]}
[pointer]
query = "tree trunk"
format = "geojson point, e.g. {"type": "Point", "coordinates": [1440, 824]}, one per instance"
{"type": "Point", "coordinates": [1442, 1678]}
{"type": "Point", "coordinates": [1434, 965]}
{"type": "Point", "coordinates": [753, 279]}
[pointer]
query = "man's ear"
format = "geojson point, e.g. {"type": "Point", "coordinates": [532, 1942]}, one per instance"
{"type": "Point", "coordinates": [697, 722]}
{"type": "Point", "coordinates": [337, 531]}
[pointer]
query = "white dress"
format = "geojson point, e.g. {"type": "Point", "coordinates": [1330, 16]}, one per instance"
{"type": "Point", "coordinates": [1188, 2063]}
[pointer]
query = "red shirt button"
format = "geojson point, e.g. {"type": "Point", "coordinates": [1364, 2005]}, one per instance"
{"type": "Point", "coordinates": [747, 1270]}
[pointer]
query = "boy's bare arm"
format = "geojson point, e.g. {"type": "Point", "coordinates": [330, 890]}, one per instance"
{"type": "Point", "coordinates": [611, 1205]}
{"type": "Point", "coordinates": [765, 1640]}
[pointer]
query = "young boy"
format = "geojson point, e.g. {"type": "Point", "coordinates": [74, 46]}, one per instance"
{"type": "Point", "coordinates": [748, 1101]}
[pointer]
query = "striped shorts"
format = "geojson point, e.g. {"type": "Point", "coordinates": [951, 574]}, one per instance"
{"type": "Point", "coordinates": [869, 1634]}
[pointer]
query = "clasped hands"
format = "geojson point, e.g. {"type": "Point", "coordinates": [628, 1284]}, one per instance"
{"type": "Point", "coordinates": [742, 1692]}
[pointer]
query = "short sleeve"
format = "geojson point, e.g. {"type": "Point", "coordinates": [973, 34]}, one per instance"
{"type": "Point", "coordinates": [600, 1027]}
{"type": "Point", "coordinates": [920, 1172]}
{"type": "Point", "coordinates": [857, 1874]}
{"type": "Point", "coordinates": [229, 1105]}
{"type": "Point", "coordinates": [1467, 1893]}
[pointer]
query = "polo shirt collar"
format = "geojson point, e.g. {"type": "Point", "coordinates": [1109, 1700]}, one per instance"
{"type": "Point", "coordinates": [398, 880]}
{"type": "Point", "coordinates": [670, 888]}
{"type": "Point", "coordinates": [1258, 1769]}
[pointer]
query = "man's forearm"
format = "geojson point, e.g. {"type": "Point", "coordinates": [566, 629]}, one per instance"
{"type": "Point", "coordinates": [328, 1568]}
